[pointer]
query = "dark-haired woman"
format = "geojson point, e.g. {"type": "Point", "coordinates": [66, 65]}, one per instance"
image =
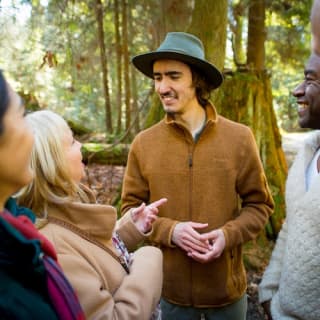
{"type": "Point", "coordinates": [32, 285]}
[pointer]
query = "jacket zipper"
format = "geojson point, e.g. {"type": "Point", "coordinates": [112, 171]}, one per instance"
{"type": "Point", "coordinates": [190, 160]}
{"type": "Point", "coordinates": [190, 163]}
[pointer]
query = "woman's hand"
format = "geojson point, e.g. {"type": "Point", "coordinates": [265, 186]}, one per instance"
{"type": "Point", "coordinates": [144, 216]}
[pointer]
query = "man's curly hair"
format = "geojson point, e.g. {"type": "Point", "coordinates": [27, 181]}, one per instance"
{"type": "Point", "coordinates": [202, 86]}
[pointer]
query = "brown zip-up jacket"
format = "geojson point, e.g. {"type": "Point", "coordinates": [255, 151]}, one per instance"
{"type": "Point", "coordinates": [217, 180]}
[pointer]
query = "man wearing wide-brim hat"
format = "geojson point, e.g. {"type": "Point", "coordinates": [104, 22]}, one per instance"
{"type": "Point", "coordinates": [209, 169]}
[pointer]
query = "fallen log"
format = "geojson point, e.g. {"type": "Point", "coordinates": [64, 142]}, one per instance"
{"type": "Point", "coordinates": [102, 153]}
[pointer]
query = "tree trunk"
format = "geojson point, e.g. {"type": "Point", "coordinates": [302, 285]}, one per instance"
{"type": "Point", "coordinates": [238, 11]}
{"type": "Point", "coordinates": [256, 35]}
{"type": "Point", "coordinates": [176, 15]}
{"type": "Point", "coordinates": [119, 64]}
{"type": "Point", "coordinates": [126, 64]}
{"type": "Point", "coordinates": [104, 67]}
{"type": "Point", "coordinates": [134, 90]}
{"type": "Point", "coordinates": [170, 15]}
{"type": "Point", "coordinates": [262, 117]}
{"type": "Point", "coordinates": [209, 23]}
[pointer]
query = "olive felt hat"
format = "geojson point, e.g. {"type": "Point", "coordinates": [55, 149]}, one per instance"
{"type": "Point", "coordinates": [183, 47]}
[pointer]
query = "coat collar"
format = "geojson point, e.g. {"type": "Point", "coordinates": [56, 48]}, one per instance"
{"type": "Point", "coordinates": [96, 219]}
{"type": "Point", "coordinates": [309, 148]}
{"type": "Point", "coordinates": [311, 145]}
{"type": "Point", "coordinates": [296, 182]}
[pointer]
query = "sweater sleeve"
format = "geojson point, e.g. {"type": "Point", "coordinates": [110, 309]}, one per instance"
{"type": "Point", "coordinates": [136, 297]}
{"type": "Point", "coordinates": [135, 191]}
{"type": "Point", "coordinates": [128, 232]}
{"type": "Point", "coordinates": [270, 281]}
{"type": "Point", "coordinates": [135, 188]}
{"type": "Point", "coordinates": [256, 200]}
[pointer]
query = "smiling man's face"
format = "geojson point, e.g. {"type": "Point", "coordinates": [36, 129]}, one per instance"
{"type": "Point", "coordinates": [173, 84]}
{"type": "Point", "coordinates": [308, 95]}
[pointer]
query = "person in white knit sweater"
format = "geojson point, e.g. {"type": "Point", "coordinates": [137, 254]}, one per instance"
{"type": "Point", "coordinates": [290, 287]}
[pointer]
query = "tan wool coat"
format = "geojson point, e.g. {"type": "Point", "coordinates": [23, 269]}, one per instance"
{"type": "Point", "coordinates": [104, 288]}
{"type": "Point", "coordinates": [217, 180]}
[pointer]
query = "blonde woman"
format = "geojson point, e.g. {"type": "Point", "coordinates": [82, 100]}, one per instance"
{"type": "Point", "coordinates": [110, 283]}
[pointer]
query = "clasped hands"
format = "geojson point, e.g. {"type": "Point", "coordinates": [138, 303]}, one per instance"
{"type": "Point", "coordinates": [200, 247]}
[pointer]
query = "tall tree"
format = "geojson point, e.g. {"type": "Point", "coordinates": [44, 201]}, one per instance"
{"type": "Point", "coordinates": [168, 16]}
{"type": "Point", "coordinates": [134, 89]}
{"type": "Point", "coordinates": [256, 35]}
{"type": "Point", "coordinates": [126, 61]}
{"type": "Point", "coordinates": [176, 15]}
{"type": "Point", "coordinates": [118, 63]}
{"type": "Point", "coordinates": [238, 10]}
{"type": "Point", "coordinates": [104, 66]}
{"type": "Point", "coordinates": [209, 23]}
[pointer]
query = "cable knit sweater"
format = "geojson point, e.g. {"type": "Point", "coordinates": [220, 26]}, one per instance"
{"type": "Point", "coordinates": [292, 279]}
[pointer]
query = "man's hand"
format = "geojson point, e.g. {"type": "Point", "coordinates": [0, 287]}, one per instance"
{"type": "Point", "coordinates": [217, 243]}
{"type": "Point", "coordinates": [187, 238]}
{"type": "Point", "coordinates": [144, 216]}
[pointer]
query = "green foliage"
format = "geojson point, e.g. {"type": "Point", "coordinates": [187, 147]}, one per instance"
{"type": "Point", "coordinates": [55, 51]}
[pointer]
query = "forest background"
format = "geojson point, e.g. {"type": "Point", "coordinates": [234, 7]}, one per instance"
{"type": "Point", "coordinates": [73, 57]}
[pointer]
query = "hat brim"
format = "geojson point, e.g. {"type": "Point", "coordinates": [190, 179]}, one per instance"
{"type": "Point", "coordinates": [144, 63]}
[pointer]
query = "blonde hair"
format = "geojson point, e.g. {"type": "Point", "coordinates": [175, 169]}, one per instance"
{"type": "Point", "coordinates": [52, 183]}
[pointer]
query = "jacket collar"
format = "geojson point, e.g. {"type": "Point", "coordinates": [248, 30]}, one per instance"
{"type": "Point", "coordinates": [96, 219]}
{"type": "Point", "coordinates": [211, 113]}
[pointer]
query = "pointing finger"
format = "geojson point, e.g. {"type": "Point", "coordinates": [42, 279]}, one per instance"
{"type": "Point", "coordinates": [158, 203]}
